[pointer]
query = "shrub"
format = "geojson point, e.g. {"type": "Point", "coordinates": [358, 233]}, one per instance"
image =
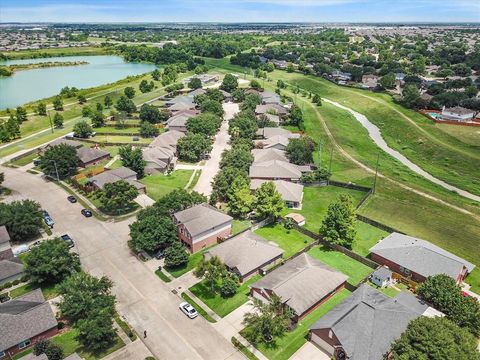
{"type": "Point", "coordinates": [229, 286]}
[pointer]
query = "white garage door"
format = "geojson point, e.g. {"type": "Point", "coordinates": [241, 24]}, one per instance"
{"type": "Point", "coordinates": [324, 345]}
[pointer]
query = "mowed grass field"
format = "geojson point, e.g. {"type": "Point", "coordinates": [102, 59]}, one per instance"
{"type": "Point", "coordinates": [160, 185]}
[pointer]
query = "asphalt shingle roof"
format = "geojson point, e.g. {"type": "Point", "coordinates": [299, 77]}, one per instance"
{"type": "Point", "coordinates": [289, 191]}
{"type": "Point", "coordinates": [88, 154]}
{"type": "Point", "coordinates": [275, 169]}
{"type": "Point", "coordinates": [261, 155]}
{"type": "Point", "coordinates": [10, 268]}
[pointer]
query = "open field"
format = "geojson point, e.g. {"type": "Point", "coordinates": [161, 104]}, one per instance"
{"type": "Point", "coordinates": [54, 52]}
{"type": "Point", "coordinates": [466, 134]}
{"type": "Point", "coordinates": [160, 185]}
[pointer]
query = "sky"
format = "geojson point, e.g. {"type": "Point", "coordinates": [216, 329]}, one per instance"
{"type": "Point", "coordinates": [240, 11]}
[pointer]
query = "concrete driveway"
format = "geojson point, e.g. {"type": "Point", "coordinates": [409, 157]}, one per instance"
{"type": "Point", "coordinates": [231, 324]}
{"type": "Point", "coordinates": [310, 352]}
{"type": "Point", "coordinates": [146, 302]}
{"type": "Point", "coordinates": [211, 167]}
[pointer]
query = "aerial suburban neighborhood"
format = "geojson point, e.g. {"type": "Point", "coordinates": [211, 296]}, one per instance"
{"type": "Point", "coordinates": [240, 180]}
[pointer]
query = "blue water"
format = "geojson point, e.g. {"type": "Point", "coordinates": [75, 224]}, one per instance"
{"type": "Point", "coordinates": [30, 85]}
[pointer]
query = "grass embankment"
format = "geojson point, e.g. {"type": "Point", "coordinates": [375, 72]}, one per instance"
{"type": "Point", "coordinates": [56, 52]}
{"type": "Point", "coordinates": [160, 185]}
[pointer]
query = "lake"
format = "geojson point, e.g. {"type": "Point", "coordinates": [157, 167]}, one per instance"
{"type": "Point", "coordinates": [29, 85]}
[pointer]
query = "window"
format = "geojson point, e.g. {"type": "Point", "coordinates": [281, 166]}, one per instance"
{"type": "Point", "coordinates": [24, 344]}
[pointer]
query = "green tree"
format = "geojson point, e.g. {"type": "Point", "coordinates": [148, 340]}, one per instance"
{"type": "Point", "coordinates": [97, 118]}
{"type": "Point", "coordinates": [435, 338]}
{"type": "Point", "coordinates": [21, 114]}
{"type": "Point", "coordinates": [58, 103]}
{"type": "Point", "coordinates": [195, 83]}
{"type": "Point", "coordinates": [96, 332]}
{"type": "Point", "coordinates": [229, 286]}
{"type": "Point", "coordinates": [206, 124]}
{"type": "Point", "coordinates": [212, 106]}
{"type": "Point", "coordinates": [176, 255]}
{"type": "Point", "coordinates": [124, 104]}
{"type": "Point", "coordinates": [42, 109]}
{"type": "Point", "coordinates": [300, 151]}
{"type": "Point", "coordinates": [251, 101]}
{"type": "Point", "coordinates": [60, 159]}
{"type": "Point", "coordinates": [151, 233]}
{"type": "Point", "coordinates": [268, 201]}
{"type": "Point", "coordinates": [229, 83]}
{"type": "Point", "coordinates": [155, 75]}
{"type": "Point", "coordinates": [410, 95]}
{"type": "Point", "coordinates": [237, 157]}
{"type": "Point", "coordinates": [150, 113]}
{"type": "Point", "coordinates": [295, 117]}
{"type": "Point", "coordinates": [222, 181]}
{"type": "Point", "coordinates": [23, 219]}
{"type": "Point", "coordinates": [13, 127]}
{"type": "Point", "coordinates": [144, 86]}
{"type": "Point", "coordinates": [86, 111]}
{"type": "Point", "coordinates": [99, 107]}
{"type": "Point", "coordinates": [243, 125]}
{"type": "Point", "coordinates": [148, 130]}
{"type": "Point", "coordinates": [255, 84]}
{"type": "Point", "coordinates": [129, 92]}
{"type": "Point", "coordinates": [58, 120]}
{"type": "Point", "coordinates": [51, 262]}
{"type": "Point", "coordinates": [193, 147]}
{"type": "Point", "coordinates": [238, 95]}
{"type": "Point", "coordinates": [267, 321]}
{"type": "Point", "coordinates": [317, 100]}
{"type": "Point", "coordinates": [132, 158]}
{"type": "Point", "coordinates": [81, 99]}
{"type": "Point", "coordinates": [118, 196]}
{"type": "Point", "coordinates": [240, 198]}
{"type": "Point", "coordinates": [338, 226]}
{"type": "Point", "coordinates": [54, 352]}
{"type": "Point", "coordinates": [388, 81]}
{"type": "Point", "coordinates": [82, 129]}
{"type": "Point", "coordinates": [174, 201]}
{"type": "Point", "coordinates": [213, 270]}
{"type": "Point", "coordinates": [107, 101]}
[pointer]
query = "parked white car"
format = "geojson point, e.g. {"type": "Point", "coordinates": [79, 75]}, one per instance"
{"type": "Point", "coordinates": [188, 310]}
{"type": "Point", "coordinates": [20, 250]}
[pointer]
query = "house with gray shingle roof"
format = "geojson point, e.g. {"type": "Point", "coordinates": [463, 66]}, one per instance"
{"type": "Point", "coordinates": [302, 283]}
{"type": "Point", "coordinates": [25, 320]}
{"type": "Point", "coordinates": [364, 325]}
{"type": "Point", "coordinates": [10, 270]}
{"type": "Point", "coordinates": [201, 226]}
{"type": "Point", "coordinates": [91, 155]}
{"type": "Point", "coordinates": [246, 253]}
{"type": "Point", "coordinates": [261, 155]}
{"type": "Point", "coordinates": [418, 259]}
{"type": "Point", "coordinates": [111, 176]}
{"type": "Point", "coordinates": [291, 193]}
{"type": "Point", "coordinates": [275, 170]}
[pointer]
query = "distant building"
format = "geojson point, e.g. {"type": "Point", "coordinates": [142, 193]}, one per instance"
{"type": "Point", "coordinates": [370, 81]}
{"type": "Point", "coordinates": [279, 64]}
{"type": "Point", "coordinates": [272, 108]}
{"type": "Point", "coordinates": [204, 78]}
{"type": "Point", "coordinates": [458, 113]}
{"type": "Point", "coordinates": [276, 170]}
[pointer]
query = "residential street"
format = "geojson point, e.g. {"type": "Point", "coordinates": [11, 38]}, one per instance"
{"type": "Point", "coordinates": [146, 302]}
{"type": "Point", "coordinates": [204, 184]}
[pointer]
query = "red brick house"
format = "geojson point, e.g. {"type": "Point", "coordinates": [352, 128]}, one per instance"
{"type": "Point", "coordinates": [201, 226]}
{"type": "Point", "coordinates": [302, 283]}
{"type": "Point", "coordinates": [418, 259]}
{"type": "Point", "coordinates": [24, 321]}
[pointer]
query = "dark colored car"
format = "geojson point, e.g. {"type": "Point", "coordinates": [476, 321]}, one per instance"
{"type": "Point", "coordinates": [86, 213]}
{"type": "Point", "coordinates": [160, 254]}
{"type": "Point", "coordinates": [68, 239]}
{"type": "Point", "coordinates": [72, 199]}
{"type": "Point", "coordinates": [36, 162]}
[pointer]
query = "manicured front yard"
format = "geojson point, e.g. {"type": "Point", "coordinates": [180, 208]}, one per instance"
{"type": "Point", "coordinates": [292, 241]}
{"type": "Point", "coordinates": [223, 306]}
{"type": "Point", "coordinates": [160, 185]}
{"type": "Point", "coordinates": [355, 270]}
{"type": "Point", "coordinates": [283, 348]}
{"type": "Point", "coordinates": [25, 160]}
{"type": "Point", "coordinates": [193, 261]}
{"type": "Point", "coordinates": [49, 291]}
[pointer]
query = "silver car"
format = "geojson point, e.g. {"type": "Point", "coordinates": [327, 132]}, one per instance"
{"type": "Point", "coordinates": [188, 310]}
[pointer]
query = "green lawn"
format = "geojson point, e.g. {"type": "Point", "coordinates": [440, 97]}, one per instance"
{"type": "Point", "coordinates": [291, 241]}
{"type": "Point", "coordinates": [193, 261]}
{"type": "Point", "coordinates": [367, 236]}
{"type": "Point", "coordinates": [283, 348]}
{"type": "Point", "coordinates": [49, 291]}
{"type": "Point", "coordinates": [355, 270]}
{"type": "Point", "coordinates": [223, 306]}
{"type": "Point", "coordinates": [197, 307]}
{"type": "Point", "coordinates": [122, 139]}
{"type": "Point", "coordinates": [160, 185]}
{"type": "Point", "coordinates": [240, 225]}
{"type": "Point", "coordinates": [389, 291]}
{"type": "Point", "coordinates": [25, 160]}
{"type": "Point", "coordinates": [112, 129]}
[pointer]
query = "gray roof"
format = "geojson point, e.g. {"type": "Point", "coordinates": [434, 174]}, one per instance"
{"type": "Point", "coordinates": [88, 154]}
{"type": "Point", "coordinates": [275, 169]}
{"type": "Point", "coordinates": [271, 117]}
{"type": "Point", "coordinates": [201, 218]}
{"type": "Point", "coordinates": [261, 155]}
{"type": "Point", "coordinates": [111, 176]}
{"type": "Point", "coordinates": [383, 273]}
{"type": "Point", "coordinates": [273, 141]}
{"type": "Point", "coordinates": [4, 236]}
{"type": "Point", "coordinates": [276, 108]}
{"type": "Point", "coordinates": [167, 139]}
{"type": "Point", "coordinates": [10, 268]}
{"type": "Point", "coordinates": [196, 92]}
{"type": "Point", "coordinates": [289, 191]}
{"type": "Point", "coordinates": [459, 110]}
{"type": "Point", "coordinates": [268, 132]}
{"type": "Point", "coordinates": [420, 256]}
{"type": "Point", "coordinates": [180, 100]}
{"type": "Point", "coordinates": [69, 142]}
{"type": "Point", "coordinates": [302, 282]}
{"type": "Point", "coordinates": [411, 302]}
{"type": "Point", "coordinates": [366, 323]}
{"type": "Point", "coordinates": [179, 120]}
{"type": "Point", "coordinates": [245, 252]}
{"type": "Point", "coordinates": [23, 318]}
{"type": "Point", "coordinates": [123, 172]}
{"type": "Point", "coordinates": [73, 356]}
{"type": "Point", "coordinates": [181, 106]}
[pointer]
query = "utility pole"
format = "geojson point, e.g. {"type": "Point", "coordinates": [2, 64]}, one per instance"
{"type": "Point", "coordinates": [56, 169]}
{"type": "Point", "coordinates": [376, 174]}
{"type": "Point", "coordinates": [320, 153]}
{"type": "Point", "coordinates": [331, 157]}
{"type": "Point", "coordinates": [50, 119]}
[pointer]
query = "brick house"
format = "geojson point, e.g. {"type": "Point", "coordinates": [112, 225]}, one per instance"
{"type": "Point", "coordinates": [24, 321]}
{"type": "Point", "coordinates": [201, 226]}
{"type": "Point", "coordinates": [418, 259]}
{"type": "Point", "coordinates": [302, 283]}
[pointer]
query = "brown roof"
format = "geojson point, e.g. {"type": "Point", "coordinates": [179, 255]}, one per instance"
{"type": "Point", "coordinates": [88, 154]}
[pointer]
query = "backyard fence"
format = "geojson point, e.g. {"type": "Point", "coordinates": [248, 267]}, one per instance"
{"type": "Point", "coordinates": [378, 224]}
{"type": "Point", "coordinates": [108, 143]}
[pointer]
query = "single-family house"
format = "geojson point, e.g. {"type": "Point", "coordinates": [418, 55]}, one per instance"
{"type": "Point", "coordinates": [275, 170]}
{"type": "Point", "coordinates": [291, 193]}
{"type": "Point", "coordinates": [91, 155]}
{"type": "Point", "coordinates": [204, 78]}
{"type": "Point", "coordinates": [201, 226]}
{"type": "Point", "coordinates": [458, 113]}
{"type": "Point", "coordinates": [279, 64]}
{"type": "Point", "coordinates": [400, 77]}
{"type": "Point", "coordinates": [24, 321]}
{"type": "Point", "coordinates": [178, 122]}
{"type": "Point", "coordinates": [181, 106]}
{"type": "Point", "coordinates": [10, 270]}
{"type": "Point", "coordinates": [167, 139]}
{"type": "Point", "coordinates": [363, 326]}
{"type": "Point", "coordinates": [186, 99]}
{"type": "Point", "coordinates": [61, 141]}
{"type": "Point", "coordinates": [338, 76]}
{"type": "Point", "coordinates": [276, 109]}
{"type": "Point", "coordinates": [110, 176]}
{"type": "Point", "coordinates": [5, 248]}
{"type": "Point", "coordinates": [268, 132]}
{"type": "Point", "coordinates": [159, 159]}
{"type": "Point", "coordinates": [278, 142]}
{"type": "Point", "coordinates": [270, 98]}
{"type": "Point", "coordinates": [382, 277]}
{"type": "Point", "coordinates": [370, 81]}
{"type": "Point", "coordinates": [418, 259]}
{"type": "Point", "coordinates": [246, 254]}
{"type": "Point", "coordinates": [196, 92]}
{"type": "Point", "coordinates": [262, 155]}
{"type": "Point", "coordinates": [302, 284]}
{"type": "Point", "coordinates": [274, 119]}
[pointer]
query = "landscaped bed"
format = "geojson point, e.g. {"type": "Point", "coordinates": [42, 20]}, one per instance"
{"type": "Point", "coordinates": [223, 306]}
{"type": "Point", "coordinates": [291, 241]}
{"type": "Point", "coordinates": [356, 271]}
{"type": "Point", "coordinates": [160, 185]}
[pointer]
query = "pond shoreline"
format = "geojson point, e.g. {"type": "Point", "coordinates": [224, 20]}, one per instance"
{"type": "Point", "coordinates": [12, 69]}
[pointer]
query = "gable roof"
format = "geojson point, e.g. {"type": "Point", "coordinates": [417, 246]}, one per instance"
{"type": "Point", "coordinates": [268, 132]}
{"type": "Point", "coordinates": [289, 191]}
{"type": "Point", "coordinates": [366, 323]}
{"type": "Point", "coordinates": [181, 106]}
{"type": "Point", "coordinates": [458, 110]}
{"type": "Point", "coordinates": [69, 142]}
{"type": "Point", "coordinates": [24, 317]}
{"type": "Point", "coordinates": [302, 282]}
{"type": "Point", "coordinates": [10, 268]}
{"type": "Point", "coordinates": [167, 139]}
{"type": "Point", "coordinates": [88, 154]}
{"type": "Point", "coordinates": [262, 109]}
{"type": "Point", "coordinates": [420, 256]}
{"type": "Point", "coordinates": [245, 252]}
{"type": "Point", "coordinates": [274, 169]}
{"type": "Point", "coordinates": [196, 92]}
{"type": "Point", "coordinates": [201, 218]}
{"type": "Point", "coordinates": [111, 176]}
{"type": "Point", "coordinates": [261, 155]}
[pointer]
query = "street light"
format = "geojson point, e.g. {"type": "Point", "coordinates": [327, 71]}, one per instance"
{"type": "Point", "coordinates": [56, 169]}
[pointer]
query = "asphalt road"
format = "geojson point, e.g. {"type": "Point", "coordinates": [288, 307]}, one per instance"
{"type": "Point", "coordinates": [145, 301]}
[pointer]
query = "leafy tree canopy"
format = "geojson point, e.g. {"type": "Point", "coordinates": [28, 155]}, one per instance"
{"type": "Point", "coordinates": [60, 159]}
